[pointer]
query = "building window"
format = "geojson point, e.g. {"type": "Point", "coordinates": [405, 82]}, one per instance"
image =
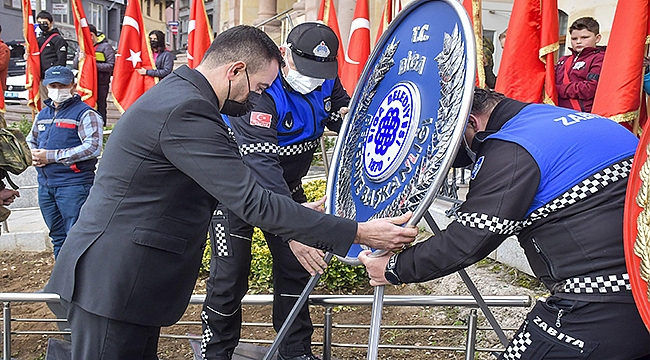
{"type": "Point", "coordinates": [96, 16]}
{"type": "Point", "coordinates": [563, 21]}
{"type": "Point", "coordinates": [149, 8]}
{"type": "Point", "coordinates": [160, 11]}
{"type": "Point", "coordinates": [62, 12]}
{"type": "Point", "coordinates": [13, 4]}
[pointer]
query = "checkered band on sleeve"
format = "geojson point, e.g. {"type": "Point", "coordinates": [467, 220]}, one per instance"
{"type": "Point", "coordinates": [489, 222]}
{"type": "Point", "coordinates": [598, 284]}
{"type": "Point", "coordinates": [294, 190]}
{"type": "Point", "coordinates": [297, 149]}
{"type": "Point", "coordinates": [335, 116]}
{"type": "Point", "coordinates": [232, 134]}
{"type": "Point", "coordinates": [583, 189]}
{"type": "Point", "coordinates": [265, 147]}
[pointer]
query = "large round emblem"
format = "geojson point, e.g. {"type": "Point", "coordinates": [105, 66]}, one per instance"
{"type": "Point", "coordinates": [407, 116]}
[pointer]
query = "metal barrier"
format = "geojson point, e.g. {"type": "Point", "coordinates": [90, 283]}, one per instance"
{"type": "Point", "coordinates": [326, 301]}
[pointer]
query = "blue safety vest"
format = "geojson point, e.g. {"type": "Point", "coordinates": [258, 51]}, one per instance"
{"type": "Point", "coordinates": [563, 143]}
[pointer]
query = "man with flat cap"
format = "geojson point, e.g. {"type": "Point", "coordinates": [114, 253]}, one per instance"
{"type": "Point", "coordinates": [277, 141]}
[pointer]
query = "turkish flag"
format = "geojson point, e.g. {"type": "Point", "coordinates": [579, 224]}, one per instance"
{"type": "Point", "coordinates": [473, 8]}
{"type": "Point", "coordinates": [33, 67]}
{"type": "Point", "coordinates": [327, 14]}
{"type": "Point", "coordinates": [133, 53]}
{"type": "Point", "coordinates": [358, 47]}
{"type": "Point", "coordinates": [527, 71]}
{"type": "Point", "coordinates": [387, 16]}
{"type": "Point", "coordinates": [199, 35]}
{"type": "Point", "coordinates": [619, 93]}
{"type": "Point", "coordinates": [87, 77]}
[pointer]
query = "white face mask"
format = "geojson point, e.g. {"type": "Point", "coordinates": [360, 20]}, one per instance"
{"type": "Point", "coordinates": [301, 83]}
{"type": "Point", "coordinates": [59, 95]}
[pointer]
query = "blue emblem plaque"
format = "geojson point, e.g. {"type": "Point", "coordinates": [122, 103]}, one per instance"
{"type": "Point", "coordinates": [407, 116]}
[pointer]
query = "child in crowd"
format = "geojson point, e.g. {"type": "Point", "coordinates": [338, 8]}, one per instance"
{"type": "Point", "coordinates": [576, 75]}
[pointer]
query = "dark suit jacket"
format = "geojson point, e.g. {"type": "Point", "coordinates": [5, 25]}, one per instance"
{"type": "Point", "coordinates": [135, 251]}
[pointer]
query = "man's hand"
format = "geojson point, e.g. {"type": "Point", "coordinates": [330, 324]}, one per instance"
{"type": "Point", "coordinates": [142, 71]}
{"type": "Point", "coordinates": [39, 157]}
{"type": "Point", "coordinates": [376, 266]}
{"type": "Point", "coordinates": [311, 259]}
{"type": "Point", "coordinates": [386, 234]}
{"type": "Point", "coordinates": [7, 196]}
{"type": "Point", "coordinates": [82, 55]}
{"type": "Point", "coordinates": [316, 205]}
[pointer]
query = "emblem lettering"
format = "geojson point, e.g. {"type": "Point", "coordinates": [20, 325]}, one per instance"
{"type": "Point", "coordinates": [412, 62]}
{"type": "Point", "coordinates": [419, 33]}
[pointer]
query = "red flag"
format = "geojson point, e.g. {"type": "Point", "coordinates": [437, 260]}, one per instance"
{"type": "Point", "coordinates": [327, 14]}
{"type": "Point", "coordinates": [473, 8]}
{"type": "Point", "coordinates": [527, 70]}
{"type": "Point", "coordinates": [87, 77]}
{"type": "Point", "coordinates": [133, 53]}
{"type": "Point", "coordinates": [33, 67]}
{"type": "Point", "coordinates": [358, 47]}
{"type": "Point", "coordinates": [199, 35]}
{"type": "Point", "coordinates": [387, 16]}
{"type": "Point", "coordinates": [618, 95]}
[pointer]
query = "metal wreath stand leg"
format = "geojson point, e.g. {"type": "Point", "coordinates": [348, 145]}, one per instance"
{"type": "Point", "coordinates": [377, 307]}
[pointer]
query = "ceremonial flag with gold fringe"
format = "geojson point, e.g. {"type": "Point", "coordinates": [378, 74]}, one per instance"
{"type": "Point", "coordinates": [87, 76]}
{"type": "Point", "coordinates": [33, 67]}
{"type": "Point", "coordinates": [327, 14]}
{"type": "Point", "coordinates": [473, 8]}
{"type": "Point", "coordinates": [527, 71]}
{"type": "Point", "coordinates": [391, 9]}
{"type": "Point", "coordinates": [619, 94]}
{"type": "Point", "coordinates": [358, 47]}
{"type": "Point", "coordinates": [133, 53]}
{"type": "Point", "coordinates": [199, 34]}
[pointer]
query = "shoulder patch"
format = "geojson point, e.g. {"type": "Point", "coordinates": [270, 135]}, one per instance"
{"type": "Point", "coordinates": [477, 167]}
{"type": "Point", "coordinates": [261, 119]}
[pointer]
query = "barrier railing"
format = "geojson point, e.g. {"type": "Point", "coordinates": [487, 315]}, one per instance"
{"type": "Point", "coordinates": [326, 301]}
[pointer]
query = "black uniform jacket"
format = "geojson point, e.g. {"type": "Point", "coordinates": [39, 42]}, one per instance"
{"type": "Point", "coordinates": [135, 251]}
{"type": "Point", "coordinates": [55, 51]}
{"type": "Point", "coordinates": [583, 239]}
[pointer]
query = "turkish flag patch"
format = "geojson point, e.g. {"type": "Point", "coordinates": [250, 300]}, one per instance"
{"type": "Point", "coordinates": [261, 119]}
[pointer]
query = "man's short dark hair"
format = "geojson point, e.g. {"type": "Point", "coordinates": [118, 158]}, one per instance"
{"type": "Point", "coordinates": [588, 23]}
{"type": "Point", "coordinates": [92, 29]}
{"type": "Point", "coordinates": [45, 15]}
{"type": "Point", "coordinates": [242, 43]}
{"type": "Point", "coordinates": [485, 100]}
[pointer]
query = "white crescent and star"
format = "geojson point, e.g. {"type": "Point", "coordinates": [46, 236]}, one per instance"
{"type": "Point", "coordinates": [136, 56]}
{"type": "Point", "coordinates": [358, 23]}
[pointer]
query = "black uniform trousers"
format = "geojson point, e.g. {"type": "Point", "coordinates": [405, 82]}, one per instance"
{"type": "Point", "coordinates": [102, 94]}
{"type": "Point", "coordinates": [101, 338]}
{"type": "Point", "coordinates": [571, 329]}
{"type": "Point", "coordinates": [228, 283]}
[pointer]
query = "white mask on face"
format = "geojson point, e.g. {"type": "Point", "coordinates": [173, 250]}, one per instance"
{"type": "Point", "coordinates": [59, 95]}
{"type": "Point", "coordinates": [299, 82]}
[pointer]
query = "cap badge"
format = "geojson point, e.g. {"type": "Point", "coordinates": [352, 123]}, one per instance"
{"type": "Point", "coordinates": [321, 50]}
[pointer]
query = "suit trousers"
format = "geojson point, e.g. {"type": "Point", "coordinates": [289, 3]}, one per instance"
{"type": "Point", "coordinates": [228, 283]}
{"type": "Point", "coordinates": [100, 338]}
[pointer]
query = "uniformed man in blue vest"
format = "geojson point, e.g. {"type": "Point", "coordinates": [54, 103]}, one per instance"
{"type": "Point", "coordinates": [65, 141]}
{"type": "Point", "coordinates": [556, 178]}
{"type": "Point", "coordinates": [277, 141]}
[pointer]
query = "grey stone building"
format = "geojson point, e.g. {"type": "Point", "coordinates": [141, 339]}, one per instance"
{"type": "Point", "coordinates": [106, 15]}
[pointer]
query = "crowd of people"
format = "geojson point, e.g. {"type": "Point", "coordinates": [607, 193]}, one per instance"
{"type": "Point", "coordinates": [129, 264]}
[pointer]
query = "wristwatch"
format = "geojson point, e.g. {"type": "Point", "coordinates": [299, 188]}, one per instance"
{"type": "Point", "coordinates": [389, 273]}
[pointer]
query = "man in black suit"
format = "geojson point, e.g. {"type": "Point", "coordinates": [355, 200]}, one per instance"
{"type": "Point", "coordinates": [130, 263]}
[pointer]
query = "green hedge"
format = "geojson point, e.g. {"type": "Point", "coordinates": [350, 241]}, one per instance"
{"type": "Point", "coordinates": [338, 276]}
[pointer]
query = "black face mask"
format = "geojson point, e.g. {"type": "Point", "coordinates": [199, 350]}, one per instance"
{"type": "Point", "coordinates": [236, 108]}
{"type": "Point", "coordinates": [154, 44]}
{"type": "Point", "coordinates": [44, 27]}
